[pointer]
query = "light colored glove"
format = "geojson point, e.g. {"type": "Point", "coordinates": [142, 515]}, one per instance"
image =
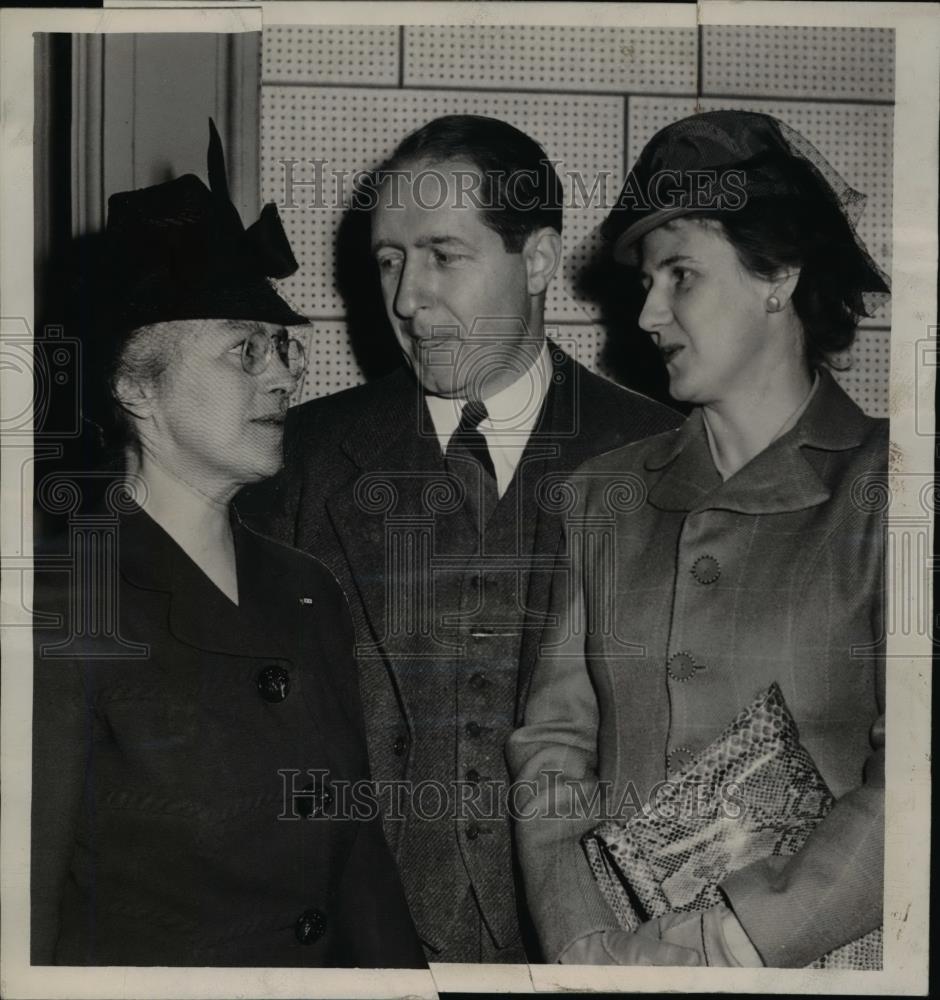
{"type": "Point", "coordinates": [722, 928]}
{"type": "Point", "coordinates": [715, 934]}
{"type": "Point", "coordinates": [643, 947]}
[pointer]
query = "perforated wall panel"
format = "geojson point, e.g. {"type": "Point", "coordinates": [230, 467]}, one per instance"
{"type": "Point", "coordinates": [856, 139]}
{"type": "Point", "coordinates": [331, 364]}
{"type": "Point", "coordinates": [354, 129]}
{"type": "Point", "coordinates": [331, 54]}
{"type": "Point", "coordinates": [347, 94]}
{"type": "Point", "coordinates": [584, 342]}
{"type": "Point", "coordinates": [508, 57]}
{"type": "Point", "coordinates": [866, 378]}
{"type": "Point", "coordinates": [831, 63]}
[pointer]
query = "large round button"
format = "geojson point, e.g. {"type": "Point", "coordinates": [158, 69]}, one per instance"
{"type": "Point", "coordinates": [310, 926]}
{"type": "Point", "coordinates": [478, 681]}
{"type": "Point", "coordinates": [273, 683]}
{"type": "Point", "coordinates": [679, 759]}
{"type": "Point", "coordinates": [400, 745]}
{"type": "Point", "coordinates": [682, 666]}
{"type": "Point", "coordinates": [706, 569]}
{"type": "Point", "coordinates": [473, 729]}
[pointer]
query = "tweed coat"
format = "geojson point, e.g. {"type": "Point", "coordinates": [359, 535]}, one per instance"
{"type": "Point", "coordinates": [162, 830]}
{"type": "Point", "coordinates": [337, 445]}
{"type": "Point", "coordinates": [718, 589]}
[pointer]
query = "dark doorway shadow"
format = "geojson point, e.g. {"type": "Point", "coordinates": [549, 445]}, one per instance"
{"type": "Point", "coordinates": [629, 355]}
{"type": "Point", "coordinates": [357, 281]}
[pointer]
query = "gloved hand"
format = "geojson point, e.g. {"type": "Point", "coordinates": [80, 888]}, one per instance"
{"type": "Point", "coordinates": [643, 947]}
{"type": "Point", "coordinates": [714, 934]}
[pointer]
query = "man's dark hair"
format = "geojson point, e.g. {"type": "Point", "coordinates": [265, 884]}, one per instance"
{"type": "Point", "coordinates": [520, 191]}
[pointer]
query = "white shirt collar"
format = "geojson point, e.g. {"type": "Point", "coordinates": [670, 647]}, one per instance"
{"type": "Point", "coordinates": [512, 411]}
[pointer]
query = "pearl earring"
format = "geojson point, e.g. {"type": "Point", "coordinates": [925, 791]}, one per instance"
{"type": "Point", "coordinates": [773, 304]}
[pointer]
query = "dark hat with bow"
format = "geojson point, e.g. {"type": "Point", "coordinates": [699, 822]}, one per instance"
{"type": "Point", "coordinates": [179, 251]}
{"type": "Point", "coordinates": [721, 161]}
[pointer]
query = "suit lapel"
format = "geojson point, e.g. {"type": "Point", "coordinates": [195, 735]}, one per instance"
{"type": "Point", "coordinates": [395, 461]}
{"type": "Point", "coordinates": [203, 617]}
{"type": "Point", "coordinates": [200, 616]}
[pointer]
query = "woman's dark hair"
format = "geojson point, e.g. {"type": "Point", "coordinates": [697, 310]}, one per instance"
{"type": "Point", "coordinates": [812, 234]}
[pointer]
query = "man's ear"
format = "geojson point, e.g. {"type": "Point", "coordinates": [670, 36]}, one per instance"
{"type": "Point", "coordinates": [542, 252]}
{"type": "Point", "coordinates": [134, 395]}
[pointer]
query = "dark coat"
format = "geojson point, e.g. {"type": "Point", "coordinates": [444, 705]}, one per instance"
{"type": "Point", "coordinates": [720, 589]}
{"type": "Point", "coordinates": [162, 831]}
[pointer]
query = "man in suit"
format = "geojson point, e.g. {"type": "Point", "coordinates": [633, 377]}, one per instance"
{"type": "Point", "coordinates": [434, 495]}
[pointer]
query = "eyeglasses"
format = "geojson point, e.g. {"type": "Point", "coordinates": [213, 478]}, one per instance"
{"type": "Point", "coordinates": [259, 348]}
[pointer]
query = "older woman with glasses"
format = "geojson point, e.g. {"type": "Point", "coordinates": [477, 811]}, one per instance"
{"type": "Point", "coordinates": [197, 723]}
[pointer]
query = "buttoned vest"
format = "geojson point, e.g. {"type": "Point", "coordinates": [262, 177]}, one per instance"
{"type": "Point", "coordinates": [456, 833]}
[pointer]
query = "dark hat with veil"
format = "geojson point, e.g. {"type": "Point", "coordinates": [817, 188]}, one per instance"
{"type": "Point", "coordinates": [721, 161]}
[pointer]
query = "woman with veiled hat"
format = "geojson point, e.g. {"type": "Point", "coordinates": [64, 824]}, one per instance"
{"type": "Point", "coordinates": [196, 707]}
{"type": "Point", "coordinates": [742, 562]}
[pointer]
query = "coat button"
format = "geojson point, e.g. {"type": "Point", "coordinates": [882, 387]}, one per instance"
{"type": "Point", "coordinates": [400, 746]}
{"type": "Point", "coordinates": [706, 569]}
{"type": "Point", "coordinates": [273, 683]}
{"type": "Point", "coordinates": [679, 759]}
{"type": "Point", "coordinates": [473, 729]}
{"type": "Point", "coordinates": [473, 776]}
{"type": "Point", "coordinates": [681, 666]}
{"type": "Point", "coordinates": [478, 681]}
{"type": "Point", "coordinates": [310, 926]}
{"type": "Point", "coordinates": [472, 831]}
{"type": "Point", "coordinates": [311, 801]}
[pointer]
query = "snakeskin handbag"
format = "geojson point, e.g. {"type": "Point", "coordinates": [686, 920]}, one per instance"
{"type": "Point", "coordinates": [673, 855]}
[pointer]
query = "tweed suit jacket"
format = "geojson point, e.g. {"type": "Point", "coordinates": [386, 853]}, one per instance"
{"type": "Point", "coordinates": [717, 589]}
{"type": "Point", "coordinates": [162, 830]}
{"type": "Point", "coordinates": [330, 501]}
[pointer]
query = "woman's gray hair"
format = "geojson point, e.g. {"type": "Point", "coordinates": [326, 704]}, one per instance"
{"type": "Point", "coordinates": [143, 358]}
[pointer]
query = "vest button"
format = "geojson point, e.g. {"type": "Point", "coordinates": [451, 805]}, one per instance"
{"type": "Point", "coordinates": [310, 926]}
{"type": "Point", "coordinates": [679, 759]}
{"type": "Point", "coordinates": [273, 684]}
{"type": "Point", "coordinates": [706, 569]}
{"type": "Point", "coordinates": [400, 746]}
{"type": "Point", "coordinates": [478, 681]}
{"type": "Point", "coordinates": [473, 729]}
{"type": "Point", "coordinates": [682, 666]}
{"type": "Point", "coordinates": [473, 776]}
{"type": "Point", "coordinates": [472, 831]}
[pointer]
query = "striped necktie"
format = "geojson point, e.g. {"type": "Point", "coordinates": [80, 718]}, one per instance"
{"type": "Point", "coordinates": [467, 451]}
{"type": "Point", "coordinates": [469, 437]}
